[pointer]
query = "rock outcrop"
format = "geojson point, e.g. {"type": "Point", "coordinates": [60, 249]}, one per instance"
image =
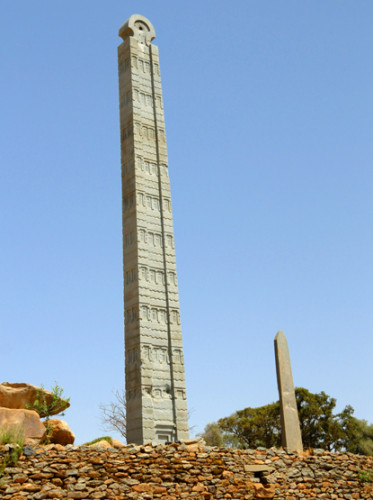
{"type": "Point", "coordinates": [22, 395]}
{"type": "Point", "coordinates": [15, 413]}
{"type": "Point", "coordinates": [28, 420]}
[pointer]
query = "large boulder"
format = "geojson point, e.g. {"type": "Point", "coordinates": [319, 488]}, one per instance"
{"type": "Point", "coordinates": [118, 444]}
{"type": "Point", "coordinates": [101, 444]}
{"type": "Point", "coordinates": [21, 395]}
{"type": "Point", "coordinates": [28, 420]}
{"type": "Point", "coordinates": [105, 443]}
{"type": "Point", "coordinates": [59, 432]}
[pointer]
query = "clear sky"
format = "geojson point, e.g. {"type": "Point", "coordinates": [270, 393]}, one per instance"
{"type": "Point", "coordinates": [268, 109]}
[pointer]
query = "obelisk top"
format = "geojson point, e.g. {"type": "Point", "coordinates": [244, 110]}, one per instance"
{"type": "Point", "coordinates": [139, 27]}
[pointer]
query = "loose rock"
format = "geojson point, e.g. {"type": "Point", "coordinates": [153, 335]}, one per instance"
{"type": "Point", "coordinates": [60, 432]}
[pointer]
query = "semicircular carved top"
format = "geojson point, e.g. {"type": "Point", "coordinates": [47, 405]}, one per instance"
{"type": "Point", "coordinates": [139, 27]}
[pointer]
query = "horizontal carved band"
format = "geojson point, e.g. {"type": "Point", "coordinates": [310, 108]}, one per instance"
{"type": "Point", "coordinates": [156, 392]}
{"type": "Point", "coordinates": [152, 238]}
{"type": "Point", "coordinates": [150, 275]}
{"type": "Point", "coordinates": [156, 276]}
{"type": "Point", "coordinates": [139, 64]}
{"type": "Point", "coordinates": [142, 98]}
{"type": "Point", "coordinates": [149, 166]}
{"type": "Point", "coordinates": [153, 354]}
{"type": "Point", "coordinates": [152, 202]}
{"type": "Point", "coordinates": [152, 314]}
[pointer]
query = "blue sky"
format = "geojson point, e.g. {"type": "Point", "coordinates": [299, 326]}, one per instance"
{"type": "Point", "coordinates": [268, 109]}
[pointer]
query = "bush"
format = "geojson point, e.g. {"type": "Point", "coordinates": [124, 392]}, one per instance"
{"type": "Point", "coordinates": [366, 476]}
{"type": "Point", "coordinates": [14, 437]}
{"type": "Point", "coordinates": [42, 407]}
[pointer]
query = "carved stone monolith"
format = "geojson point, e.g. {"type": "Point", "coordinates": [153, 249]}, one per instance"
{"type": "Point", "coordinates": [154, 362]}
{"type": "Point", "coordinates": [290, 428]}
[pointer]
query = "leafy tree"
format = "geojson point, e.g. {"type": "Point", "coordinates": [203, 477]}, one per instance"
{"type": "Point", "coordinates": [362, 442]}
{"type": "Point", "coordinates": [254, 427]}
{"type": "Point", "coordinates": [212, 434]}
{"type": "Point", "coordinates": [320, 427]}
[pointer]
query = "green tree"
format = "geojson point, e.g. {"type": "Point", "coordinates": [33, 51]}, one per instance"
{"type": "Point", "coordinates": [213, 435]}
{"type": "Point", "coordinates": [254, 427]}
{"type": "Point", "coordinates": [364, 437]}
{"type": "Point", "coordinates": [320, 426]}
{"type": "Point", "coordinates": [362, 441]}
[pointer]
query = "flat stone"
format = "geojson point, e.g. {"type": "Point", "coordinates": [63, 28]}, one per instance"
{"type": "Point", "coordinates": [258, 468]}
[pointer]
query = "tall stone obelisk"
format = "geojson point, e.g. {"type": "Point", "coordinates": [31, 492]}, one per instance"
{"type": "Point", "coordinates": [290, 427]}
{"type": "Point", "coordinates": [154, 364]}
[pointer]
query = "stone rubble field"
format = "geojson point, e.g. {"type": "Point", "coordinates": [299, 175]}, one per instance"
{"type": "Point", "coordinates": [188, 470]}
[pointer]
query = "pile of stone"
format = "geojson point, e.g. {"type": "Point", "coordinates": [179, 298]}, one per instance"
{"type": "Point", "coordinates": [16, 399]}
{"type": "Point", "coordinates": [183, 471]}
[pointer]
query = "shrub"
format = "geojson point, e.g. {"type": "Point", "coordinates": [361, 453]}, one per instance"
{"type": "Point", "coordinates": [42, 407]}
{"type": "Point", "coordinates": [14, 437]}
{"type": "Point", "coordinates": [366, 476]}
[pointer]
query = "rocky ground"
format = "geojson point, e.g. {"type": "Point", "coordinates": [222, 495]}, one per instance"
{"type": "Point", "coordinates": [183, 471]}
{"type": "Point", "coordinates": [23, 405]}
